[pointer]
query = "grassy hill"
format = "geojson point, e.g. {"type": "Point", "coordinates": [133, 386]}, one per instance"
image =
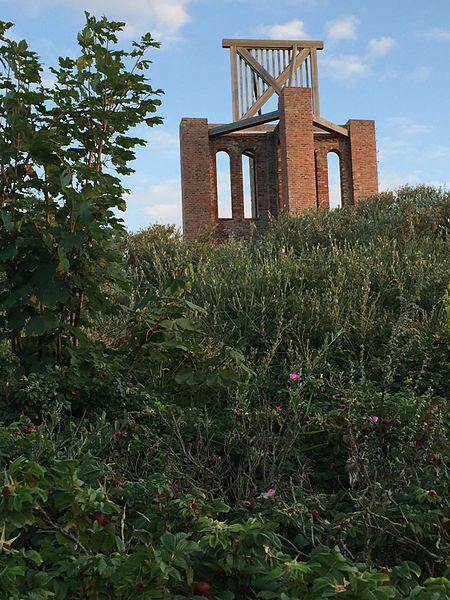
{"type": "Point", "coordinates": [261, 419]}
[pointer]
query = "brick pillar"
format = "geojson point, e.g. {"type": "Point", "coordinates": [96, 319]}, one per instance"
{"type": "Point", "coordinates": [323, 195]}
{"type": "Point", "coordinates": [297, 149]}
{"type": "Point", "coordinates": [196, 186]}
{"type": "Point", "coordinates": [363, 149]}
{"type": "Point", "coordinates": [237, 191]}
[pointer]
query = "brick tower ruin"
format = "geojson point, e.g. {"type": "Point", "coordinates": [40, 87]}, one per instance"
{"type": "Point", "coordinates": [288, 159]}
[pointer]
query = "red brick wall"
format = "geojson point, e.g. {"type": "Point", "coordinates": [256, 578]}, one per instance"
{"type": "Point", "coordinates": [297, 149]}
{"type": "Point", "coordinates": [291, 167]}
{"type": "Point", "coordinates": [324, 144]}
{"type": "Point", "coordinates": [262, 141]}
{"type": "Point", "coordinates": [196, 183]}
{"type": "Point", "coordinates": [364, 159]}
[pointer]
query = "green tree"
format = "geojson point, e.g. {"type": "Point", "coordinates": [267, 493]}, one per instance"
{"type": "Point", "coordinates": [63, 151]}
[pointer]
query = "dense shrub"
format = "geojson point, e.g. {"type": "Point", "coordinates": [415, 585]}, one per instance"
{"type": "Point", "coordinates": [265, 419]}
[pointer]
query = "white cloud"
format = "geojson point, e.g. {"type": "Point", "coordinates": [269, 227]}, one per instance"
{"type": "Point", "coordinates": [389, 74]}
{"type": "Point", "coordinates": [294, 30]}
{"type": "Point", "coordinates": [407, 126]}
{"type": "Point", "coordinates": [164, 18]}
{"type": "Point", "coordinates": [420, 74]}
{"type": "Point", "coordinates": [381, 46]}
{"type": "Point", "coordinates": [392, 180]}
{"type": "Point", "coordinates": [436, 34]}
{"type": "Point", "coordinates": [160, 202]}
{"type": "Point", "coordinates": [164, 213]}
{"type": "Point", "coordinates": [344, 66]}
{"type": "Point", "coordinates": [344, 28]}
{"type": "Point", "coordinates": [165, 143]}
{"type": "Point", "coordinates": [389, 147]}
{"type": "Point", "coordinates": [438, 152]}
{"type": "Point", "coordinates": [353, 66]}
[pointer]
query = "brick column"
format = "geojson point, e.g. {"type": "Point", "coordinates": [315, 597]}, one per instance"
{"type": "Point", "coordinates": [237, 191]}
{"type": "Point", "coordinates": [323, 194]}
{"type": "Point", "coordinates": [196, 183]}
{"type": "Point", "coordinates": [297, 149]}
{"type": "Point", "coordinates": [363, 149]}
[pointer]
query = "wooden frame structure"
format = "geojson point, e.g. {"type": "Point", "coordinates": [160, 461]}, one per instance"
{"type": "Point", "coordinates": [261, 68]}
{"type": "Point", "coordinates": [278, 155]}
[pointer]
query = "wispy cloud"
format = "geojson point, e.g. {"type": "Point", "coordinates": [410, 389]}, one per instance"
{"type": "Point", "coordinates": [344, 66]}
{"type": "Point", "coordinates": [159, 202]}
{"type": "Point", "coordinates": [435, 34]}
{"type": "Point", "coordinates": [407, 126]}
{"type": "Point", "coordinates": [294, 30]}
{"type": "Point", "coordinates": [166, 143]}
{"type": "Point", "coordinates": [344, 28]}
{"type": "Point", "coordinates": [353, 66]}
{"type": "Point", "coordinates": [164, 18]}
{"type": "Point", "coordinates": [420, 74]}
{"type": "Point", "coordinates": [392, 180]}
{"type": "Point", "coordinates": [381, 46]}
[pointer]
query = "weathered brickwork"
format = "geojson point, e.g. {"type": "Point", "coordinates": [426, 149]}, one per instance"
{"type": "Point", "coordinates": [291, 167]}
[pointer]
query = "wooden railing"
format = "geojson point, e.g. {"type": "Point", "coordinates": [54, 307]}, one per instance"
{"type": "Point", "coordinates": [261, 68]}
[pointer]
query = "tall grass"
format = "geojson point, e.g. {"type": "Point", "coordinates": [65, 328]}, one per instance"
{"type": "Point", "coordinates": [372, 278]}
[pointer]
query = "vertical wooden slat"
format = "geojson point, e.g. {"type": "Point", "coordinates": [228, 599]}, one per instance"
{"type": "Point", "coordinates": [307, 71]}
{"type": "Point", "coordinates": [234, 83]}
{"type": "Point", "coordinates": [246, 87]}
{"type": "Point", "coordinates": [258, 79]}
{"type": "Point", "coordinates": [315, 82]}
{"type": "Point", "coordinates": [279, 63]}
{"type": "Point", "coordinates": [241, 88]}
{"type": "Point", "coordinates": [292, 69]}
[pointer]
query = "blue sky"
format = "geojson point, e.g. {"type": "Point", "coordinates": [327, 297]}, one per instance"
{"type": "Point", "coordinates": [386, 60]}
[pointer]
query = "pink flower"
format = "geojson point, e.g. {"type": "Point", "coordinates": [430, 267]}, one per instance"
{"type": "Point", "coordinates": [277, 408]}
{"type": "Point", "coordinates": [294, 376]}
{"type": "Point", "coordinates": [270, 493]}
{"type": "Point", "coordinates": [374, 419]}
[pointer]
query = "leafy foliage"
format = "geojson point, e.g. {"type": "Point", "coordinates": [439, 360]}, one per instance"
{"type": "Point", "coordinates": [264, 419]}
{"type": "Point", "coordinates": [62, 151]}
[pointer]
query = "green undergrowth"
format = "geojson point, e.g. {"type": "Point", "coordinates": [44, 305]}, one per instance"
{"type": "Point", "coordinates": [257, 419]}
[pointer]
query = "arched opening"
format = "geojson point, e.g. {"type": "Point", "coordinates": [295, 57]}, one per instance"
{"type": "Point", "coordinates": [223, 179]}
{"type": "Point", "coordinates": [334, 180]}
{"type": "Point", "coordinates": [249, 184]}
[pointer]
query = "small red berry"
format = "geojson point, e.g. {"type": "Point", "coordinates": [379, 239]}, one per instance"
{"type": "Point", "coordinates": [100, 518]}
{"type": "Point", "coordinates": [7, 490]}
{"type": "Point", "coordinates": [202, 588]}
{"type": "Point", "coordinates": [435, 458]}
{"type": "Point", "coordinates": [344, 524]}
{"type": "Point", "coordinates": [432, 493]}
{"type": "Point", "coordinates": [30, 429]}
{"type": "Point", "coordinates": [315, 515]}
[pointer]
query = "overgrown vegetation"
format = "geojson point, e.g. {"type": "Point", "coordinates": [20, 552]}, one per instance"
{"type": "Point", "coordinates": [264, 419]}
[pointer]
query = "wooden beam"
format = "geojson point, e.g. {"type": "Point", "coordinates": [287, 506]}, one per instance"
{"type": "Point", "coordinates": [281, 79]}
{"type": "Point", "coordinates": [329, 126]}
{"type": "Point", "coordinates": [234, 83]}
{"type": "Point", "coordinates": [256, 66]}
{"type": "Point", "coordinates": [293, 68]}
{"type": "Point", "coordinates": [244, 124]}
{"type": "Point", "coordinates": [315, 82]}
{"type": "Point", "coordinates": [276, 44]}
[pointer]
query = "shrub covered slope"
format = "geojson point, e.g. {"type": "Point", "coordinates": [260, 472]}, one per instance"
{"type": "Point", "coordinates": [263, 419]}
